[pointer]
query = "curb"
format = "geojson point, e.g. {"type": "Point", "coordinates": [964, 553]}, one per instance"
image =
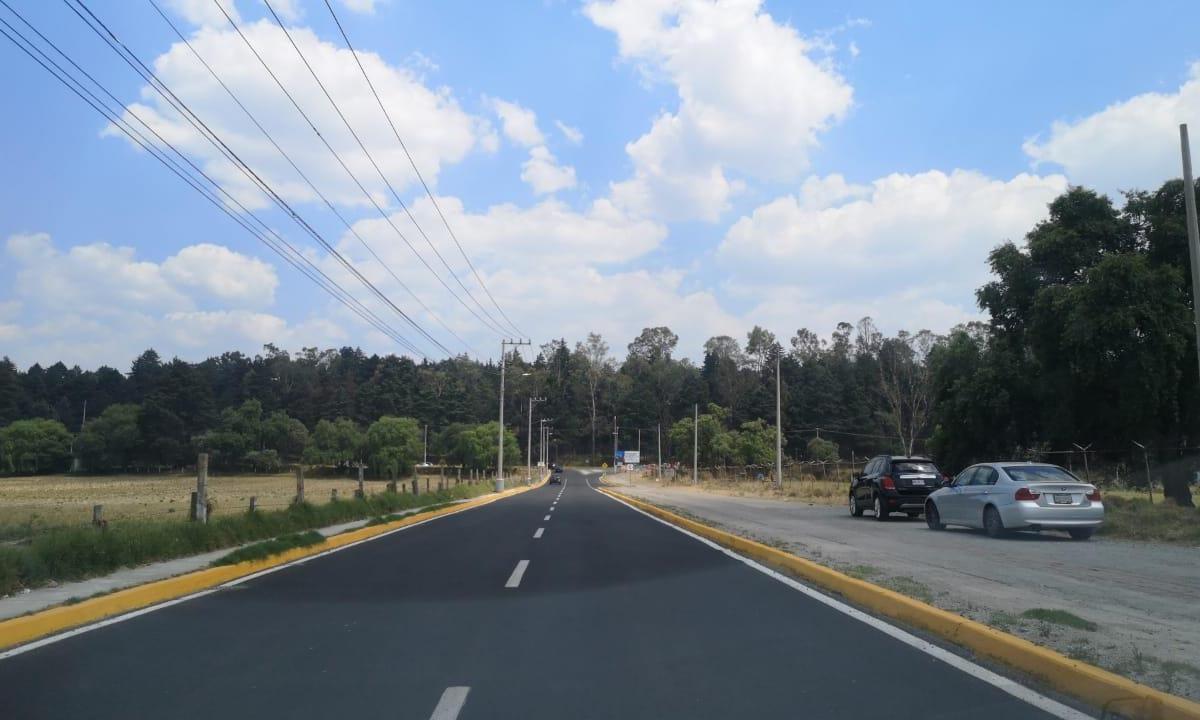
{"type": "Point", "coordinates": [27, 628]}
{"type": "Point", "coordinates": [1101, 688]}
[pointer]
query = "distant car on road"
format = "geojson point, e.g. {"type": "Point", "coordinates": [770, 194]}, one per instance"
{"type": "Point", "coordinates": [556, 474]}
{"type": "Point", "coordinates": [999, 497]}
{"type": "Point", "coordinates": [894, 483]}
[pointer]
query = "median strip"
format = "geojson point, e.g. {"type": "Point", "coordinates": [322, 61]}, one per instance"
{"type": "Point", "coordinates": [1103, 689]}
{"type": "Point", "coordinates": [23, 633]}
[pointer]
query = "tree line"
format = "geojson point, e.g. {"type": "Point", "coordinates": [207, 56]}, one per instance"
{"type": "Point", "coordinates": [1089, 340]}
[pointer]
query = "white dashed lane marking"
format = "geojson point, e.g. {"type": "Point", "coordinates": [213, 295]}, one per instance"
{"type": "Point", "coordinates": [518, 572]}
{"type": "Point", "coordinates": [539, 532]}
{"type": "Point", "coordinates": [545, 518]}
{"type": "Point", "coordinates": [450, 704]}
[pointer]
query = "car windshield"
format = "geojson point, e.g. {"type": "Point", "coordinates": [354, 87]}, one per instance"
{"type": "Point", "coordinates": [1039, 473]}
{"type": "Point", "coordinates": [914, 466]}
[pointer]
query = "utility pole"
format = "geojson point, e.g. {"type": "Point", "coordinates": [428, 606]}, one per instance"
{"type": "Point", "coordinates": [778, 425]}
{"type": "Point", "coordinates": [500, 432]}
{"type": "Point", "coordinates": [614, 462]}
{"type": "Point", "coordinates": [658, 455]}
{"type": "Point", "coordinates": [529, 442]}
{"type": "Point", "coordinates": [1146, 458]}
{"type": "Point", "coordinates": [1189, 201]}
{"type": "Point", "coordinates": [639, 445]}
{"type": "Point", "coordinates": [695, 442]}
{"type": "Point", "coordinates": [426, 444]}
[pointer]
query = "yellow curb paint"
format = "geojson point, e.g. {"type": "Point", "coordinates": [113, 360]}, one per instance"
{"type": "Point", "coordinates": [24, 629]}
{"type": "Point", "coordinates": [1089, 683]}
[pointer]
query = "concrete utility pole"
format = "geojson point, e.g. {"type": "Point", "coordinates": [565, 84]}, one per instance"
{"type": "Point", "coordinates": [778, 425]}
{"type": "Point", "coordinates": [426, 444]}
{"type": "Point", "coordinates": [500, 434]}
{"type": "Point", "coordinates": [529, 442]}
{"type": "Point", "coordinates": [658, 455]}
{"type": "Point", "coordinates": [695, 443]}
{"type": "Point", "coordinates": [1146, 458]}
{"type": "Point", "coordinates": [201, 511]}
{"type": "Point", "coordinates": [1189, 201]}
{"type": "Point", "coordinates": [614, 463]}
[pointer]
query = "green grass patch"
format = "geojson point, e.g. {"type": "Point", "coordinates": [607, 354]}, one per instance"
{"type": "Point", "coordinates": [1060, 617]}
{"type": "Point", "coordinates": [1003, 620]}
{"type": "Point", "coordinates": [274, 546]}
{"type": "Point", "coordinates": [75, 553]}
{"type": "Point", "coordinates": [385, 519]}
{"type": "Point", "coordinates": [907, 586]}
{"type": "Point", "coordinates": [1137, 519]}
{"type": "Point", "coordinates": [862, 572]}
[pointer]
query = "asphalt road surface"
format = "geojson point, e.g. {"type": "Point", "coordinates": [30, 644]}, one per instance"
{"type": "Point", "coordinates": [512, 610]}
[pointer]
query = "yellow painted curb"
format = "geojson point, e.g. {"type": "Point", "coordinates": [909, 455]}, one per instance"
{"type": "Point", "coordinates": [24, 629]}
{"type": "Point", "coordinates": [1091, 684]}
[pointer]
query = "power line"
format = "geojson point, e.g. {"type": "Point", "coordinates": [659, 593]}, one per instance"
{"type": "Point", "coordinates": [362, 146]}
{"type": "Point", "coordinates": [353, 177]}
{"type": "Point", "coordinates": [416, 170]}
{"type": "Point", "coordinates": [301, 173]}
{"type": "Point", "coordinates": [72, 84]}
{"type": "Point", "coordinates": [130, 58]}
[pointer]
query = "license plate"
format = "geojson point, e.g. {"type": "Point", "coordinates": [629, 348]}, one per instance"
{"type": "Point", "coordinates": [1062, 499]}
{"type": "Point", "coordinates": [917, 481]}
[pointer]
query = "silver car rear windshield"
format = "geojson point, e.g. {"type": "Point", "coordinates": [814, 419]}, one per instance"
{"type": "Point", "coordinates": [1038, 473]}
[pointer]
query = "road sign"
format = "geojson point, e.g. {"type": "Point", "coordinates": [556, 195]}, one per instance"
{"type": "Point", "coordinates": [633, 457]}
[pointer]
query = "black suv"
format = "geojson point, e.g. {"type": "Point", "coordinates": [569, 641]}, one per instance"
{"type": "Point", "coordinates": [891, 483]}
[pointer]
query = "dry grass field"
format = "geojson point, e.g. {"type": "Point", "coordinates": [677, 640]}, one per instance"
{"type": "Point", "coordinates": [799, 487]}
{"type": "Point", "coordinates": [38, 502]}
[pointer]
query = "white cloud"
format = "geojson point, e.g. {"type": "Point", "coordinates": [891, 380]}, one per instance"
{"type": "Point", "coordinates": [204, 12]}
{"type": "Point", "coordinates": [573, 134]}
{"type": "Point", "coordinates": [223, 273]}
{"type": "Point", "coordinates": [288, 10]}
{"type": "Point", "coordinates": [436, 129]}
{"type": "Point", "coordinates": [912, 242]}
{"type": "Point", "coordinates": [1132, 144]}
{"type": "Point", "coordinates": [544, 174]}
{"type": "Point", "coordinates": [520, 123]}
{"type": "Point", "coordinates": [752, 101]}
{"type": "Point", "coordinates": [366, 7]}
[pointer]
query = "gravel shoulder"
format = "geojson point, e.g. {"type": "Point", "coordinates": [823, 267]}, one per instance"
{"type": "Point", "coordinates": [1144, 598]}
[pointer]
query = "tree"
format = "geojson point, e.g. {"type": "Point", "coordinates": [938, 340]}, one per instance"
{"type": "Point", "coordinates": [475, 446]}
{"type": "Point", "coordinates": [653, 344]}
{"type": "Point", "coordinates": [822, 450]}
{"type": "Point", "coordinates": [335, 443]}
{"type": "Point", "coordinates": [905, 382]}
{"type": "Point", "coordinates": [284, 434]}
{"type": "Point", "coordinates": [394, 444]}
{"type": "Point", "coordinates": [755, 443]}
{"type": "Point", "coordinates": [34, 446]}
{"type": "Point", "coordinates": [598, 364]}
{"type": "Point", "coordinates": [111, 441]}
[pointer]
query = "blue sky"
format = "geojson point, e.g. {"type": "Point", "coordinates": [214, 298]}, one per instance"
{"type": "Point", "coordinates": [740, 163]}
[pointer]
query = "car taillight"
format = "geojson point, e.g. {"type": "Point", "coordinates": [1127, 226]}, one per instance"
{"type": "Point", "coordinates": [1094, 495]}
{"type": "Point", "coordinates": [886, 482]}
{"type": "Point", "coordinates": [1026, 494]}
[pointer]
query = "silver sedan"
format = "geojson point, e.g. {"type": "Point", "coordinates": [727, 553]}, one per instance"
{"type": "Point", "coordinates": [1017, 496]}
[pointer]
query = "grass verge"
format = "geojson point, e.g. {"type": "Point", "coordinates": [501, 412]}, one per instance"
{"type": "Point", "coordinates": [75, 553]}
{"type": "Point", "coordinates": [274, 546]}
{"type": "Point", "coordinates": [1060, 617]}
{"type": "Point", "coordinates": [1137, 519]}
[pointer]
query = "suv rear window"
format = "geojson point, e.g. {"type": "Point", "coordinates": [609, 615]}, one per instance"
{"type": "Point", "coordinates": [1039, 473]}
{"type": "Point", "coordinates": [913, 466]}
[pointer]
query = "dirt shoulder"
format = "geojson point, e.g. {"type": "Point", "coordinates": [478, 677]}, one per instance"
{"type": "Point", "coordinates": [1132, 607]}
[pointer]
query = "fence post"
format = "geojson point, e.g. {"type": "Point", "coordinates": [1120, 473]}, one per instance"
{"type": "Point", "coordinates": [333, 495]}
{"type": "Point", "coordinates": [416, 489]}
{"type": "Point", "coordinates": [426, 483]}
{"type": "Point", "coordinates": [360, 493]}
{"type": "Point", "coordinates": [253, 503]}
{"type": "Point", "coordinates": [97, 515]}
{"type": "Point", "coordinates": [299, 484]}
{"type": "Point", "coordinates": [200, 509]}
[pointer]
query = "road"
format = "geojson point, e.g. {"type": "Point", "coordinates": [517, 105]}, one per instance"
{"type": "Point", "coordinates": [1143, 596]}
{"type": "Point", "coordinates": [607, 613]}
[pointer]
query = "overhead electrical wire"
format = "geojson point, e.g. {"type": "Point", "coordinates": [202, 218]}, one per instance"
{"type": "Point", "coordinates": [387, 218]}
{"type": "Point", "coordinates": [79, 89]}
{"type": "Point", "coordinates": [131, 59]}
{"type": "Point", "coordinates": [379, 171]}
{"type": "Point", "coordinates": [301, 173]}
{"type": "Point", "coordinates": [412, 162]}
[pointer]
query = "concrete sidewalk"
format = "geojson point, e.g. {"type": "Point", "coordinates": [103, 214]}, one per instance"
{"type": "Point", "coordinates": [29, 601]}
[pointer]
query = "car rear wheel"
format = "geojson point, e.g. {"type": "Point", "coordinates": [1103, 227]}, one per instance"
{"type": "Point", "coordinates": [881, 512]}
{"type": "Point", "coordinates": [992, 522]}
{"type": "Point", "coordinates": [855, 510]}
{"type": "Point", "coordinates": [1081, 533]}
{"type": "Point", "coordinates": [933, 519]}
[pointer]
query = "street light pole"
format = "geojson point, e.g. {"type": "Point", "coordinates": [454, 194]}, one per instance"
{"type": "Point", "coordinates": [695, 442]}
{"type": "Point", "coordinates": [614, 462]}
{"type": "Point", "coordinates": [529, 442]}
{"type": "Point", "coordinates": [658, 455]}
{"type": "Point", "coordinates": [500, 433]}
{"type": "Point", "coordinates": [1193, 233]}
{"type": "Point", "coordinates": [778, 425]}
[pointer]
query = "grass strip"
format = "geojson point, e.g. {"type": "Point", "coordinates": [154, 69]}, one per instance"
{"type": "Point", "coordinates": [75, 553]}
{"type": "Point", "coordinates": [1060, 617]}
{"type": "Point", "coordinates": [274, 546]}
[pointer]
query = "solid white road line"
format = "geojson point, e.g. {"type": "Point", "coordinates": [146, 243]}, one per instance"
{"type": "Point", "coordinates": [518, 572]}
{"type": "Point", "coordinates": [450, 704]}
{"type": "Point", "coordinates": [1011, 687]}
{"type": "Point", "coordinates": [539, 532]}
{"type": "Point", "coordinates": [545, 518]}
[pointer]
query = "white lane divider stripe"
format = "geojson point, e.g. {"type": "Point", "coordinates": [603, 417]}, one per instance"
{"type": "Point", "coordinates": [518, 572]}
{"type": "Point", "coordinates": [539, 532]}
{"type": "Point", "coordinates": [450, 704]}
{"type": "Point", "coordinates": [545, 518]}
